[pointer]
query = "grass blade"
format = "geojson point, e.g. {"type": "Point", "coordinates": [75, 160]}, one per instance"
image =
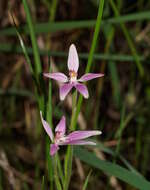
{"type": "Point", "coordinates": [69, 25]}
{"type": "Point", "coordinates": [115, 82]}
{"type": "Point", "coordinates": [56, 177]}
{"type": "Point", "coordinates": [23, 46]}
{"type": "Point", "coordinates": [68, 166]}
{"type": "Point", "coordinates": [86, 181]}
{"type": "Point", "coordinates": [113, 153]}
{"type": "Point", "coordinates": [114, 57]}
{"type": "Point", "coordinates": [16, 92]}
{"type": "Point", "coordinates": [112, 169]}
{"type": "Point", "coordinates": [91, 55]}
{"type": "Point", "coordinates": [129, 40]}
{"type": "Point", "coordinates": [38, 68]}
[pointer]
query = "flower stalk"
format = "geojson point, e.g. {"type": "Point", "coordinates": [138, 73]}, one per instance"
{"type": "Point", "coordinates": [69, 155]}
{"type": "Point", "coordinates": [91, 55]}
{"type": "Point", "coordinates": [56, 176]}
{"type": "Point", "coordinates": [74, 102]}
{"type": "Point", "coordinates": [76, 137]}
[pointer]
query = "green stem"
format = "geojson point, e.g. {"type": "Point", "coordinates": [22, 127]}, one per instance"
{"type": "Point", "coordinates": [38, 67]}
{"type": "Point", "coordinates": [120, 131]}
{"type": "Point", "coordinates": [69, 155]}
{"type": "Point", "coordinates": [56, 177]}
{"type": "Point", "coordinates": [110, 37]}
{"type": "Point", "coordinates": [49, 164]}
{"type": "Point", "coordinates": [74, 102]}
{"type": "Point", "coordinates": [68, 166]}
{"type": "Point", "coordinates": [49, 102]}
{"type": "Point", "coordinates": [91, 55]}
{"type": "Point", "coordinates": [60, 170]}
{"type": "Point", "coordinates": [129, 40]}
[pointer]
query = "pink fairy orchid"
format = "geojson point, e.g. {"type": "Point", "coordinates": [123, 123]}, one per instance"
{"type": "Point", "coordinates": [72, 81]}
{"type": "Point", "coordinates": [74, 138]}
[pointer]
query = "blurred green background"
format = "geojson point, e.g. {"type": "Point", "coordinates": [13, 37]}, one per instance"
{"type": "Point", "coordinates": [119, 103]}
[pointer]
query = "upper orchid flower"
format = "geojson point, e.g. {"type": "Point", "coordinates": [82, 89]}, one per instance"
{"type": "Point", "coordinates": [72, 81]}
{"type": "Point", "coordinates": [74, 138]}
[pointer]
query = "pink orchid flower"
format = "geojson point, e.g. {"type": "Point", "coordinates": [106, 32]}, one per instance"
{"type": "Point", "coordinates": [74, 138]}
{"type": "Point", "coordinates": [72, 81]}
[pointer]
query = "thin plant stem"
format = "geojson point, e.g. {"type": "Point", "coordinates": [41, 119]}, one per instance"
{"type": "Point", "coordinates": [49, 119]}
{"type": "Point", "coordinates": [37, 61]}
{"type": "Point", "coordinates": [38, 67]}
{"type": "Point", "coordinates": [56, 177]}
{"type": "Point", "coordinates": [87, 180]}
{"type": "Point", "coordinates": [101, 80]}
{"type": "Point", "coordinates": [91, 55]}
{"type": "Point", "coordinates": [52, 7]}
{"type": "Point", "coordinates": [60, 170]}
{"type": "Point", "coordinates": [49, 164]}
{"type": "Point", "coordinates": [119, 137]}
{"type": "Point", "coordinates": [120, 131]}
{"type": "Point", "coordinates": [74, 102]}
{"type": "Point", "coordinates": [68, 166]}
{"type": "Point", "coordinates": [49, 102]}
{"type": "Point", "coordinates": [69, 155]}
{"type": "Point", "coordinates": [129, 40]}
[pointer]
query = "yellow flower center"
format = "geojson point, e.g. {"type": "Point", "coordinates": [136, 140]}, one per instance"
{"type": "Point", "coordinates": [73, 76]}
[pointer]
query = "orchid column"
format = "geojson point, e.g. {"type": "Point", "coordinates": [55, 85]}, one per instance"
{"type": "Point", "coordinates": [69, 82]}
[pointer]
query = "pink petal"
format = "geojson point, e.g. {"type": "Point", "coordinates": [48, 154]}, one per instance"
{"type": "Point", "coordinates": [46, 127]}
{"type": "Point", "coordinates": [80, 142]}
{"type": "Point", "coordinates": [57, 76]}
{"type": "Point", "coordinates": [53, 149]}
{"type": "Point", "coordinates": [82, 89]}
{"type": "Point", "coordinates": [73, 60]}
{"type": "Point", "coordinates": [90, 76]}
{"type": "Point", "coordinates": [78, 135]}
{"type": "Point", "coordinates": [64, 90]}
{"type": "Point", "coordinates": [61, 127]}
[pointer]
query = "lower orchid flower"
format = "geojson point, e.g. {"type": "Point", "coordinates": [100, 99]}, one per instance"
{"type": "Point", "coordinates": [74, 138]}
{"type": "Point", "coordinates": [72, 81]}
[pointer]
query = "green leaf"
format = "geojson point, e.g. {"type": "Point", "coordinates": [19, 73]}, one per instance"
{"type": "Point", "coordinates": [68, 166]}
{"type": "Point", "coordinates": [11, 48]}
{"type": "Point", "coordinates": [31, 29]}
{"type": "Point", "coordinates": [86, 181]}
{"type": "Point", "coordinates": [50, 27]}
{"type": "Point", "coordinates": [16, 92]}
{"type": "Point", "coordinates": [91, 55]}
{"type": "Point", "coordinates": [23, 46]}
{"type": "Point", "coordinates": [113, 153]}
{"type": "Point", "coordinates": [112, 169]}
{"type": "Point", "coordinates": [129, 39]}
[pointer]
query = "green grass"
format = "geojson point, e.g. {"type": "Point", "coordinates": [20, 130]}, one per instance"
{"type": "Point", "coordinates": [118, 103]}
{"type": "Point", "coordinates": [129, 40]}
{"type": "Point", "coordinates": [90, 57]}
{"type": "Point", "coordinates": [11, 48]}
{"type": "Point", "coordinates": [112, 169]}
{"type": "Point", "coordinates": [52, 27]}
{"type": "Point", "coordinates": [37, 62]}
